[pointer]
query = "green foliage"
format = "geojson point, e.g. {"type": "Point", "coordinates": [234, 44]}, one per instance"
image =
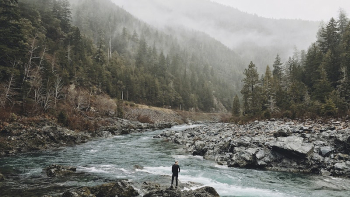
{"type": "Point", "coordinates": [329, 108]}
{"type": "Point", "coordinates": [12, 43]}
{"type": "Point", "coordinates": [109, 51]}
{"type": "Point", "coordinates": [62, 118]}
{"type": "Point", "coordinates": [251, 91]}
{"type": "Point", "coordinates": [120, 111]}
{"type": "Point", "coordinates": [236, 107]}
{"type": "Point", "coordinates": [267, 114]}
{"type": "Point", "coordinates": [322, 73]}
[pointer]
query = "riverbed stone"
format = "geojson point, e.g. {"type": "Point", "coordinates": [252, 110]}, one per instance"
{"type": "Point", "coordinates": [80, 192]}
{"type": "Point", "coordinates": [59, 170]}
{"type": "Point", "coordinates": [120, 189]}
{"type": "Point", "coordinates": [270, 145]}
{"type": "Point", "coordinates": [2, 177]}
{"type": "Point", "coordinates": [292, 146]}
{"type": "Point", "coordinates": [171, 192]}
{"type": "Point", "coordinates": [326, 150]}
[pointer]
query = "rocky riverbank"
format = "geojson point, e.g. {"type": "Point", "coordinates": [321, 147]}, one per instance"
{"type": "Point", "coordinates": [148, 189]}
{"type": "Point", "coordinates": [308, 147]}
{"type": "Point", "coordinates": [125, 188]}
{"type": "Point", "coordinates": [46, 134]}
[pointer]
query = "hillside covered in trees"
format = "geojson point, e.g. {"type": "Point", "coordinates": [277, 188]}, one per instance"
{"type": "Point", "coordinates": [64, 57]}
{"type": "Point", "coordinates": [309, 84]}
{"type": "Point", "coordinates": [55, 56]}
{"type": "Point", "coordinates": [253, 38]}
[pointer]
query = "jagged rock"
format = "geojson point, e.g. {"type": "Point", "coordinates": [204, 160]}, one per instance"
{"type": "Point", "coordinates": [138, 167]}
{"type": "Point", "coordinates": [292, 146]}
{"type": "Point", "coordinates": [324, 172]}
{"type": "Point", "coordinates": [2, 177]}
{"type": "Point", "coordinates": [295, 147]}
{"type": "Point", "coordinates": [200, 148]}
{"type": "Point", "coordinates": [280, 133]}
{"type": "Point", "coordinates": [201, 192]}
{"type": "Point", "coordinates": [341, 168]}
{"type": "Point", "coordinates": [120, 189]}
{"type": "Point", "coordinates": [80, 192]}
{"type": "Point", "coordinates": [325, 151]}
{"type": "Point", "coordinates": [58, 170]}
{"type": "Point", "coordinates": [342, 143]}
{"type": "Point", "coordinates": [244, 157]}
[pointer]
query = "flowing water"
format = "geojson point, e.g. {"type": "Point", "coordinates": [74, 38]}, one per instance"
{"type": "Point", "coordinates": [105, 160]}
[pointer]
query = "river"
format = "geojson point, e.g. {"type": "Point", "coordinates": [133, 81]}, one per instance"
{"type": "Point", "coordinates": [107, 159]}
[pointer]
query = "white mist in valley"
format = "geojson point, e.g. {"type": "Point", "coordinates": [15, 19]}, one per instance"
{"type": "Point", "coordinates": [252, 37]}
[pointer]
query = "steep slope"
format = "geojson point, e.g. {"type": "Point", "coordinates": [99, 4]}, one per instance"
{"type": "Point", "coordinates": [254, 38]}
{"type": "Point", "coordinates": [196, 66]}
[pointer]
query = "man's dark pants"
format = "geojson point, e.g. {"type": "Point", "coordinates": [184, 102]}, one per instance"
{"type": "Point", "coordinates": [172, 179]}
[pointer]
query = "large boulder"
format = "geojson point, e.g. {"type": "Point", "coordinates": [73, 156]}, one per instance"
{"type": "Point", "coordinates": [81, 192]}
{"type": "Point", "coordinates": [164, 193]}
{"type": "Point", "coordinates": [292, 147]}
{"type": "Point", "coordinates": [199, 148]}
{"type": "Point", "coordinates": [342, 143]}
{"type": "Point", "coordinates": [58, 170]}
{"type": "Point", "coordinates": [341, 168]}
{"type": "Point", "coordinates": [120, 189]}
{"type": "Point", "coordinates": [244, 158]}
{"type": "Point", "coordinates": [325, 151]}
{"type": "Point", "coordinates": [201, 192]}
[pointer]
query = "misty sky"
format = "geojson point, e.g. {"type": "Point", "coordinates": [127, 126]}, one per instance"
{"type": "Point", "coordinates": [315, 10]}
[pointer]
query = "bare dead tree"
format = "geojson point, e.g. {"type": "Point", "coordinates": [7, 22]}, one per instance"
{"type": "Point", "coordinates": [6, 90]}
{"type": "Point", "coordinates": [29, 64]}
{"type": "Point", "coordinates": [57, 89]}
{"type": "Point", "coordinates": [47, 98]}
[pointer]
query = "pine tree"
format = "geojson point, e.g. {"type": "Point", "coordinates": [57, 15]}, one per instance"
{"type": "Point", "coordinates": [277, 69]}
{"type": "Point", "coordinates": [251, 91]}
{"type": "Point", "coordinates": [268, 91]}
{"type": "Point", "coordinates": [12, 46]}
{"type": "Point", "coordinates": [322, 86]}
{"type": "Point", "coordinates": [236, 107]}
{"type": "Point", "coordinates": [343, 21]}
{"type": "Point", "coordinates": [329, 37]}
{"type": "Point", "coordinates": [313, 61]}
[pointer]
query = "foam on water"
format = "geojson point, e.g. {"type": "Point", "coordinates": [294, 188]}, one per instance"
{"type": "Point", "coordinates": [92, 169]}
{"type": "Point", "coordinates": [225, 189]}
{"type": "Point", "coordinates": [110, 158]}
{"type": "Point", "coordinates": [183, 127]}
{"type": "Point", "coordinates": [221, 166]}
{"type": "Point", "coordinates": [92, 151]}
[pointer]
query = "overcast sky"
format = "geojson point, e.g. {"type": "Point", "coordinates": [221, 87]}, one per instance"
{"type": "Point", "coordinates": [315, 10]}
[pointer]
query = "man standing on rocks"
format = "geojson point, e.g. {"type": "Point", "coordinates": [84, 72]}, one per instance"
{"type": "Point", "coordinates": [175, 170]}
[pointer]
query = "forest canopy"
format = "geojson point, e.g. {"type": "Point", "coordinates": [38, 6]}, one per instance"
{"type": "Point", "coordinates": [309, 84]}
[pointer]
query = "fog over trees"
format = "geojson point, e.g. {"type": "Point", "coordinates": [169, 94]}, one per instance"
{"type": "Point", "coordinates": [253, 38]}
{"type": "Point", "coordinates": [185, 54]}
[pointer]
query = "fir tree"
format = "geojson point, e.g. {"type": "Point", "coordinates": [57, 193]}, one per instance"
{"type": "Point", "coordinates": [251, 91]}
{"type": "Point", "coordinates": [236, 107]}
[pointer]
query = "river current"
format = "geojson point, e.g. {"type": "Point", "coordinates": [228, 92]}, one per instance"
{"type": "Point", "coordinates": [107, 159]}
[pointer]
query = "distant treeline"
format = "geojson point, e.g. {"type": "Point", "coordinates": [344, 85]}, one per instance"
{"type": "Point", "coordinates": [311, 83]}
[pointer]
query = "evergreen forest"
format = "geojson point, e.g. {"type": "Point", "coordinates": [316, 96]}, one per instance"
{"type": "Point", "coordinates": [310, 84]}
{"type": "Point", "coordinates": [61, 55]}
{"type": "Point", "coordinates": [60, 52]}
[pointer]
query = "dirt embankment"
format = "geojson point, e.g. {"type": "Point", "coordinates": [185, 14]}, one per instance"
{"type": "Point", "coordinates": [147, 114]}
{"type": "Point", "coordinates": [27, 134]}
